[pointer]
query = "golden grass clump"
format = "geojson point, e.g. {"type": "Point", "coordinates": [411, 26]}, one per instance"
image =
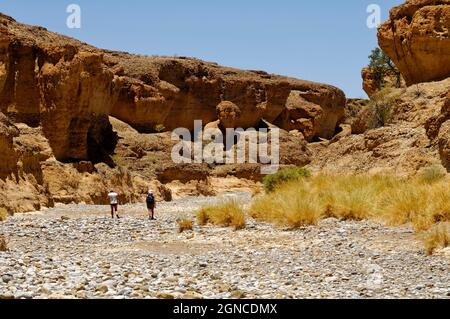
{"type": "Point", "coordinates": [423, 201]}
{"type": "Point", "coordinates": [437, 237]}
{"type": "Point", "coordinates": [227, 214]}
{"type": "Point", "coordinates": [421, 204]}
{"type": "Point", "coordinates": [432, 174]}
{"type": "Point", "coordinates": [185, 225]}
{"type": "Point", "coordinates": [291, 205]}
{"type": "Point", "coordinates": [3, 215]}
{"type": "Point", "coordinates": [404, 204]}
{"type": "Point", "coordinates": [3, 245]}
{"type": "Point", "coordinates": [353, 197]}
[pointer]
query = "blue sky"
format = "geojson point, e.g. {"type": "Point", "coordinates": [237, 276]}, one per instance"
{"type": "Point", "coordinates": [319, 40]}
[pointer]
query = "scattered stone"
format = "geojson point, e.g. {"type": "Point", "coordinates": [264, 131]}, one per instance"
{"type": "Point", "coordinates": [92, 256]}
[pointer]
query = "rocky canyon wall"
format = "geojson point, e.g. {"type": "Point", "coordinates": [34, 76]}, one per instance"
{"type": "Point", "coordinates": [58, 97]}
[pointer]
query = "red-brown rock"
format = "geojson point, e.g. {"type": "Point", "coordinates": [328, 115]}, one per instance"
{"type": "Point", "coordinates": [417, 38]}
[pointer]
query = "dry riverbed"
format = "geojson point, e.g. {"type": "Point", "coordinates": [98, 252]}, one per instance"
{"type": "Point", "coordinates": [78, 251]}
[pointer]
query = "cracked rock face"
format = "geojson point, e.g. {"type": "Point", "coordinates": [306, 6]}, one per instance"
{"type": "Point", "coordinates": [417, 38]}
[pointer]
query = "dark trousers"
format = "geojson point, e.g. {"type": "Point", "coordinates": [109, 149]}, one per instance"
{"type": "Point", "coordinates": [113, 209]}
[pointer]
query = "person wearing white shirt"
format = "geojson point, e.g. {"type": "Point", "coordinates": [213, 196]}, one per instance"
{"type": "Point", "coordinates": [114, 203]}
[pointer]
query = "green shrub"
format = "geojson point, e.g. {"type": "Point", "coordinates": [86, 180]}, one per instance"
{"type": "Point", "coordinates": [271, 182]}
{"type": "Point", "coordinates": [382, 65]}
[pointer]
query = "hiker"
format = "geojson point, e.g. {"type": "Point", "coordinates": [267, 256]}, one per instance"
{"type": "Point", "coordinates": [113, 202]}
{"type": "Point", "coordinates": [151, 204]}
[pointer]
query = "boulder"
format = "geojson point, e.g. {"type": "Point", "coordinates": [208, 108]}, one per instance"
{"type": "Point", "coordinates": [228, 114]}
{"type": "Point", "coordinates": [371, 86]}
{"type": "Point", "coordinates": [417, 39]}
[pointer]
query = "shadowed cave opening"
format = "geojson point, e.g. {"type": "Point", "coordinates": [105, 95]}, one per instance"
{"type": "Point", "coordinates": [101, 142]}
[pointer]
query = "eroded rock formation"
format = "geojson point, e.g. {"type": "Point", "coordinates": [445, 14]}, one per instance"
{"type": "Point", "coordinates": [416, 135]}
{"type": "Point", "coordinates": [417, 38]}
{"type": "Point", "coordinates": [68, 109]}
{"type": "Point", "coordinates": [371, 85]}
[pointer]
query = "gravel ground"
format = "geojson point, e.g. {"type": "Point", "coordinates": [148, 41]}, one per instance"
{"type": "Point", "coordinates": [78, 251]}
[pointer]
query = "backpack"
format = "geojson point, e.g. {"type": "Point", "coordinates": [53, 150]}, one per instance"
{"type": "Point", "coordinates": [150, 199]}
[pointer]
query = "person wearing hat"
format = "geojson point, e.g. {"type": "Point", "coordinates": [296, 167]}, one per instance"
{"type": "Point", "coordinates": [151, 204]}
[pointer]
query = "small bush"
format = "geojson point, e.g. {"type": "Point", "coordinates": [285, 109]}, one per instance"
{"type": "Point", "coordinates": [404, 204]}
{"type": "Point", "coordinates": [3, 245]}
{"type": "Point", "coordinates": [378, 112]}
{"type": "Point", "coordinates": [436, 208]}
{"type": "Point", "coordinates": [437, 237]}
{"type": "Point", "coordinates": [353, 204]}
{"type": "Point", "coordinates": [383, 113]}
{"type": "Point", "coordinates": [271, 182]}
{"type": "Point", "coordinates": [185, 225]}
{"type": "Point", "coordinates": [3, 214]}
{"type": "Point", "coordinates": [224, 214]}
{"type": "Point", "coordinates": [382, 65]}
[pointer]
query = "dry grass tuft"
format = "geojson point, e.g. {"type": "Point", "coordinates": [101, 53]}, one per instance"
{"type": "Point", "coordinates": [432, 174]}
{"type": "Point", "coordinates": [437, 237]}
{"type": "Point", "coordinates": [185, 225]}
{"type": "Point", "coordinates": [271, 182]}
{"type": "Point", "coordinates": [422, 202]}
{"type": "Point", "coordinates": [3, 245]}
{"type": "Point", "coordinates": [3, 215]}
{"type": "Point", "coordinates": [227, 214]}
{"type": "Point", "coordinates": [378, 112]}
{"type": "Point", "coordinates": [287, 207]}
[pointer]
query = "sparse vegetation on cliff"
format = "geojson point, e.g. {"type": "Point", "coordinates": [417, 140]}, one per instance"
{"type": "Point", "coordinates": [159, 128]}
{"type": "Point", "coordinates": [382, 66]}
{"type": "Point", "coordinates": [378, 111]}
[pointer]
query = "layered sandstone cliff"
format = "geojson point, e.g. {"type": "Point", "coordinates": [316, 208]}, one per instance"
{"type": "Point", "coordinates": [62, 102]}
{"type": "Point", "coordinates": [417, 38]}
